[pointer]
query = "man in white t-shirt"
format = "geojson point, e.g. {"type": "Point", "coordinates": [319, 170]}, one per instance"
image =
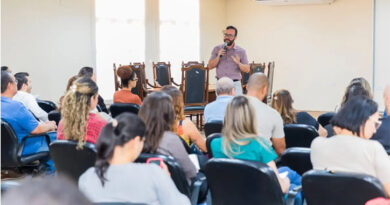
{"type": "Point", "coordinates": [24, 96]}
{"type": "Point", "coordinates": [269, 121]}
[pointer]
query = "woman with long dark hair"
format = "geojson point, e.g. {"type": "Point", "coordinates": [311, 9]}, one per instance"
{"type": "Point", "coordinates": [158, 114]}
{"type": "Point", "coordinates": [115, 178]}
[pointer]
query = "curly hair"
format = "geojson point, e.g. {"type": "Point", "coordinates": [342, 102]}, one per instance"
{"type": "Point", "coordinates": [178, 103]}
{"type": "Point", "coordinates": [75, 109]}
{"type": "Point", "coordinates": [125, 73]}
{"type": "Point", "coordinates": [282, 102]}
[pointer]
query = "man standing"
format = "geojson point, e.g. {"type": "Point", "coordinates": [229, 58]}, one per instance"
{"type": "Point", "coordinates": [383, 132]}
{"type": "Point", "coordinates": [230, 59]}
{"type": "Point", "coordinates": [269, 121]}
{"type": "Point", "coordinates": [22, 121]}
{"type": "Point", "coordinates": [24, 96]}
{"type": "Point", "coordinates": [215, 111]}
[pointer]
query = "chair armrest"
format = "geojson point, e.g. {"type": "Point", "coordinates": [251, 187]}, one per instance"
{"type": "Point", "coordinates": [21, 147]}
{"type": "Point", "coordinates": [195, 189]}
{"type": "Point", "coordinates": [291, 195]}
{"type": "Point", "coordinates": [153, 86]}
{"type": "Point", "coordinates": [174, 82]}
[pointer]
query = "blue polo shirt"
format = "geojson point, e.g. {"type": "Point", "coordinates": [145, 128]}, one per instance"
{"type": "Point", "coordinates": [215, 111]}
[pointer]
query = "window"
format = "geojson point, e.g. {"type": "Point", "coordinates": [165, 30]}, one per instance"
{"type": "Point", "coordinates": [179, 33]}
{"type": "Point", "coordinates": [120, 38]}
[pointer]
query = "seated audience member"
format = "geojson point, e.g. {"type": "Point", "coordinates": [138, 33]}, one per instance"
{"type": "Point", "coordinates": [88, 72]}
{"type": "Point", "coordinates": [22, 121]}
{"type": "Point", "coordinates": [158, 114]}
{"type": "Point", "coordinates": [357, 86]}
{"type": "Point", "coordinates": [183, 127]}
{"type": "Point", "coordinates": [382, 135]}
{"type": "Point", "coordinates": [128, 81]}
{"type": "Point", "coordinates": [24, 96]}
{"type": "Point", "coordinates": [350, 150]}
{"type": "Point", "coordinates": [77, 122]}
{"type": "Point", "coordinates": [215, 111]}
{"type": "Point", "coordinates": [282, 102]}
{"type": "Point", "coordinates": [115, 178]}
{"type": "Point", "coordinates": [5, 68]}
{"type": "Point", "coordinates": [70, 83]}
{"type": "Point", "coordinates": [57, 190]}
{"type": "Point", "coordinates": [241, 141]}
{"type": "Point", "coordinates": [269, 123]}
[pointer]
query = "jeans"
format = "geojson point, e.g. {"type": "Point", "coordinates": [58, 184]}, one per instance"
{"type": "Point", "coordinates": [295, 181]}
{"type": "Point", "coordinates": [39, 144]}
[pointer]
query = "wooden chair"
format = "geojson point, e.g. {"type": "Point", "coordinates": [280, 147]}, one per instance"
{"type": "Point", "coordinates": [270, 75]}
{"type": "Point", "coordinates": [162, 74]}
{"type": "Point", "coordinates": [194, 86]}
{"type": "Point", "coordinates": [254, 68]}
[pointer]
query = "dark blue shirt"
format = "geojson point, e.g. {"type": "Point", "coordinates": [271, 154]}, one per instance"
{"type": "Point", "coordinates": [307, 119]}
{"type": "Point", "coordinates": [382, 135]}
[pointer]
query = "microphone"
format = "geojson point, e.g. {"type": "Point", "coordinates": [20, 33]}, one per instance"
{"type": "Point", "coordinates": [224, 47]}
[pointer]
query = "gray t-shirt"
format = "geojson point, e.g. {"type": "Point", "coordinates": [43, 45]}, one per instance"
{"type": "Point", "coordinates": [269, 122]}
{"type": "Point", "coordinates": [171, 144]}
{"type": "Point", "coordinates": [132, 183]}
{"type": "Point", "coordinates": [351, 154]}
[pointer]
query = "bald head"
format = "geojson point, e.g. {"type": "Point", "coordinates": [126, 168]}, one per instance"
{"type": "Point", "coordinates": [225, 86]}
{"type": "Point", "coordinates": [257, 82]}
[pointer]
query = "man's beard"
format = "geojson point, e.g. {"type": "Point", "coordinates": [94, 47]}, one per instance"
{"type": "Point", "coordinates": [229, 42]}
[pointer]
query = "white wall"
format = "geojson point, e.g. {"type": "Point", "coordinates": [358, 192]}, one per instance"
{"type": "Point", "coordinates": [317, 49]}
{"type": "Point", "coordinates": [382, 49]}
{"type": "Point", "coordinates": [50, 39]}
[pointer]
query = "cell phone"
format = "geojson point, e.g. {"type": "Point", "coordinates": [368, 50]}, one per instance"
{"type": "Point", "coordinates": [155, 160]}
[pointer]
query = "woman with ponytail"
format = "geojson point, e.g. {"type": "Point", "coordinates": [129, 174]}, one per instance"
{"type": "Point", "coordinates": [115, 178]}
{"type": "Point", "coordinates": [78, 123]}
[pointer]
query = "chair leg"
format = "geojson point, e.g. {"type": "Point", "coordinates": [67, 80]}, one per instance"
{"type": "Point", "coordinates": [197, 120]}
{"type": "Point", "coordinates": [201, 122]}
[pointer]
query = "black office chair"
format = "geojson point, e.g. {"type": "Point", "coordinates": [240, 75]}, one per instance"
{"type": "Point", "coordinates": [299, 135]}
{"type": "Point", "coordinates": [325, 118]}
{"type": "Point", "coordinates": [8, 184]}
{"type": "Point", "coordinates": [322, 187]}
{"type": "Point", "coordinates": [213, 127]}
{"type": "Point", "coordinates": [208, 142]}
{"type": "Point", "coordinates": [47, 105]}
{"type": "Point", "coordinates": [54, 115]}
{"type": "Point", "coordinates": [11, 152]}
{"type": "Point", "coordinates": [118, 108]}
{"type": "Point", "coordinates": [71, 161]}
{"type": "Point", "coordinates": [297, 158]}
{"type": "Point", "coordinates": [177, 175]}
{"type": "Point", "coordinates": [233, 181]}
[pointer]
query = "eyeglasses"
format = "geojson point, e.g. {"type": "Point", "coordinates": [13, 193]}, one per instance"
{"type": "Point", "coordinates": [377, 123]}
{"type": "Point", "coordinates": [16, 81]}
{"type": "Point", "coordinates": [228, 35]}
{"type": "Point", "coordinates": [135, 79]}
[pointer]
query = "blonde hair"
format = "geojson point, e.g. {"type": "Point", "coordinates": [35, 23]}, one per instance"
{"type": "Point", "coordinates": [239, 123]}
{"type": "Point", "coordinates": [282, 102]}
{"type": "Point", "coordinates": [75, 109]}
{"type": "Point", "coordinates": [178, 103]}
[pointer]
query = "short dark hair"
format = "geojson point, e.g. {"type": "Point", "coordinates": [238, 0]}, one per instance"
{"type": "Point", "coordinates": [234, 28]}
{"type": "Point", "coordinates": [4, 68]}
{"type": "Point", "coordinates": [22, 79]}
{"type": "Point", "coordinates": [6, 78]}
{"type": "Point", "coordinates": [354, 114]}
{"type": "Point", "coordinates": [86, 72]}
{"type": "Point", "coordinates": [57, 190]}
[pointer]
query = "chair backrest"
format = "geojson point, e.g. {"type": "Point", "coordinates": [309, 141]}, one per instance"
{"type": "Point", "coordinates": [212, 127]}
{"type": "Point", "coordinates": [270, 76]}
{"type": "Point", "coordinates": [194, 84]}
{"type": "Point", "coordinates": [177, 173]}
{"type": "Point", "coordinates": [297, 158]}
{"type": "Point", "coordinates": [116, 78]}
{"type": "Point", "coordinates": [233, 181]}
{"type": "Point", "coordinates": [118, 108]}
{"type": "Point", "coordinates": [54, 116]}
{"type": "Point", "coordinates": [162, 73]}
{"type": "Point", "coordinates": [209, 139]}
{"type": "Point", "coordinates": [47, 105]}
{"type": "Point", "coordinates": [299, 135]}
{"type": "Point", "coordinates": [140, 88]}
{"type": "Point", "coordinates": [325, 118]}
{"type": "Point", "coordinates": [322, 187]}
{"type": "Point", "coordinates": [71, 161]}
{"type": "Point", "coordinates": [9, 146]}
